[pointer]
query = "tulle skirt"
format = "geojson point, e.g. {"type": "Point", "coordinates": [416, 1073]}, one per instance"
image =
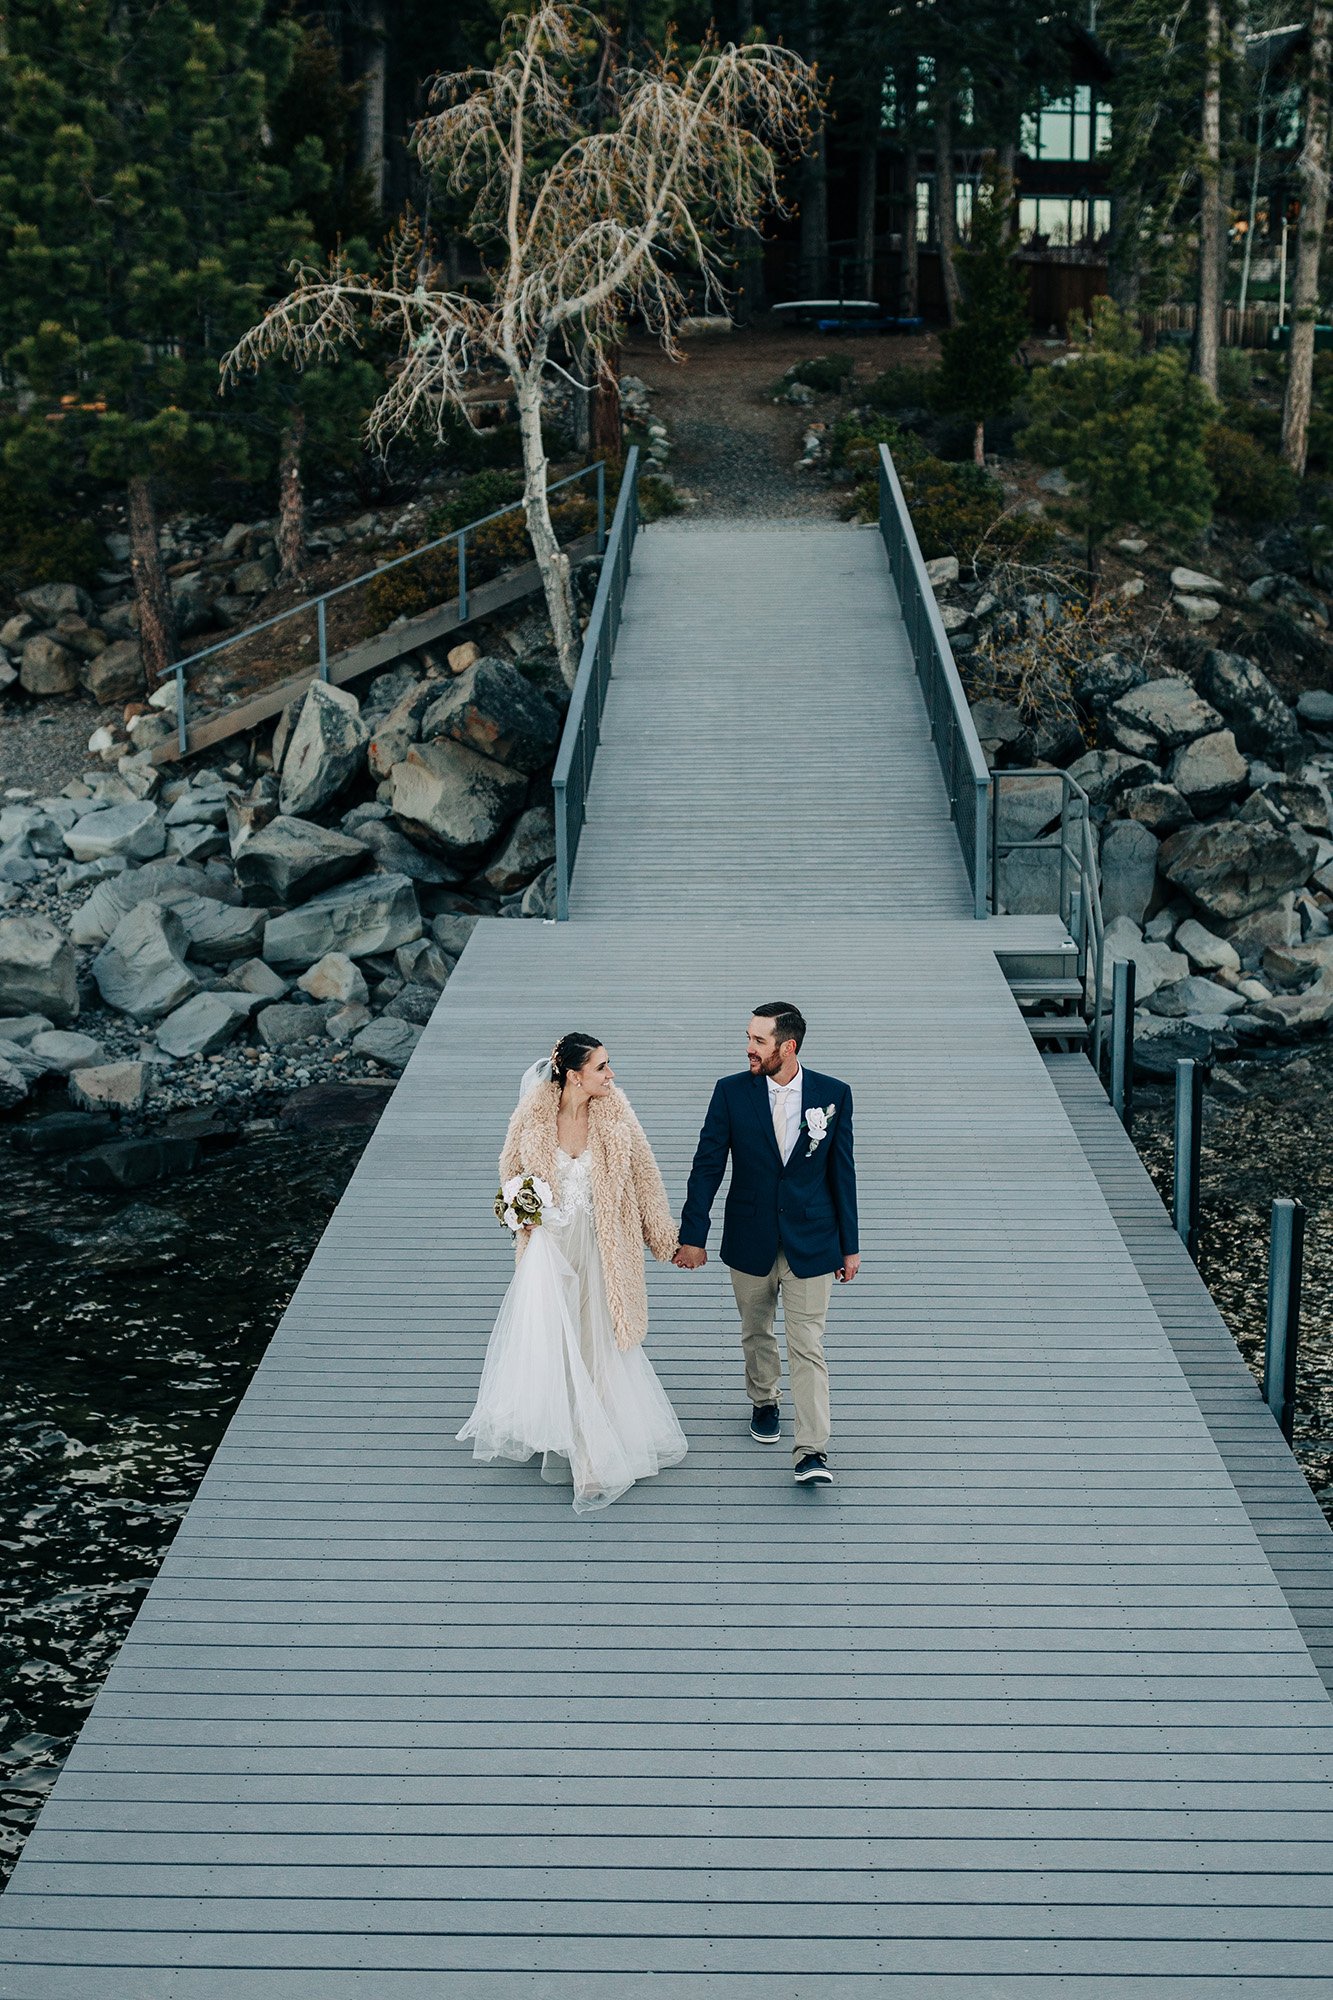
{"type": "Point", "coordinates": [555, 1382]}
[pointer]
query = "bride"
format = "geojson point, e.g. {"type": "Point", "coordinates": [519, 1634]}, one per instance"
{"type": "Point", "coordinates": [565, 1373]}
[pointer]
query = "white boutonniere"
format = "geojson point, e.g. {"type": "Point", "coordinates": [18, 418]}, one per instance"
{"type": "Point", "coordinates": [816, 1124]}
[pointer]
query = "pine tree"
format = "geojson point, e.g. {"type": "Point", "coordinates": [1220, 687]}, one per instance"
{"type": "Point", "coordinates": [143, 222]}
{"type": "Point", "coordinates": [980, 372]}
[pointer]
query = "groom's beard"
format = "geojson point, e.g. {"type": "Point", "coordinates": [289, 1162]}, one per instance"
{"type": "Point", "coordinates": [764, 1065]}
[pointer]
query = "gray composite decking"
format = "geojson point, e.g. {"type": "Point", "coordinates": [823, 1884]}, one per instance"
{"type": "Point", "coordinates": [1017, 1708]}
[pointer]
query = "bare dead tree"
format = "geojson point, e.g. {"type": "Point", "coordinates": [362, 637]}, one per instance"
{"type": "Point", "coordinates": [577, 228]}
{"type": "Point", "coordinates": [1314, 213]}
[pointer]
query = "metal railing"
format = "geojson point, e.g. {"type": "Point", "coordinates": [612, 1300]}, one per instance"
{"type": "Point", "coordinates": [966, 778]}
{"type": "Point", "coordinates": [582, 731]}
{"type": "Point", "coordinates": [320, 603]}
{"type": "Point", "coordinates": [1078, 899]}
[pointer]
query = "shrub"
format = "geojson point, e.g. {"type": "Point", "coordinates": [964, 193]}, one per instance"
{"type": "Point", "coordinates": [658, 498]}
{"type": "Point", "coordinates": [855, 439]}
{"type": "Point", "coordinates": [1235, 375]}
{"type": "Point", "coordinates": [954, 508]}
{"type": "Point", "coordinates": [828, 374]}
{"type": "Point", "coordinates": [903, 388]}
{"type": "Point", "coordinates": [433, 579]}
{"type": "Point", "coordinates": [479, 494]}
{"type": "Point", "coordinates": [1252, 486]}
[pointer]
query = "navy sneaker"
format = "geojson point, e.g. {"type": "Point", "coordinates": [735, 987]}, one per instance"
{"type": "Point", "coordinates": [812, 1470]}
{"type": "Point", "coordinates": [764, 1423]}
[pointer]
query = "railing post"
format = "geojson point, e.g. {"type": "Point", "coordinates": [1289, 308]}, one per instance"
{"type": "Point", "coordinates": [995, 842]}
{"type": "Point", "coordinates": [561, 852]}
{"type": "Point", "coordinates": [1286, 1256]}
{"type": "Point", "coordinates": [462, 573]}
{"type": "Point", "coordinates": [322, 625]}
{"type": "Point", "coordinates": [1188, 1152]}
{"type": "Point", "coordinates": [981, 873]}
{"type": "Point", "coordinates": [182, 728]}
{"type": "Point", "coordinates": [1122, 1041]}
{"type": "Point", "coordinates": [601, 506]}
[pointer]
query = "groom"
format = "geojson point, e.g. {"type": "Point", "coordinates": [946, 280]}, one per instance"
{"type": "Point", "coordinates": [790, 1222]}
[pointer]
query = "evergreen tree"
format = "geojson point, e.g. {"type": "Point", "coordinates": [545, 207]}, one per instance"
{"type": "Point", "coordinates": [1128, 428]}
{"type": "Point", "coordinates": [980, 372]}
{"type": "Point", "coordinates": [143, 222]}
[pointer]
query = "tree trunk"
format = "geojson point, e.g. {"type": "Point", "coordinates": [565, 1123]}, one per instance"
{"type": "Point", "coordinates": [979, 445]}
{"type": "Point", "coordinates": [1125, 257]}
{"type": "Point", "coordinates": [374, 85]}
{"type": "Point", "coordinates": [1313, 166]}
{"type": "Point", "coordinates": [157, 636]}
{"type": "Point", "coordinates": [604, 437]}
{"type": "Point", "coordinates": [910, 288]}
{"type": "Point", "coordinates": [867, 187]}
{"type": "Point", "coordinates": [291, 500]}
{"type": "Point", "coordinates": [946, 209]}
{"type": "Point", "coordinates": [552, 562]}
{"type": "Point", "coordinates": [1212, 221]}
{"type": "Point", "coordinates": [814, 219]}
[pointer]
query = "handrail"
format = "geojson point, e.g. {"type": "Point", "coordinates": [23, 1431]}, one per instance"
{"type": "Point", "coordinates": [582, 731]}
{"type": "Point", "coordinates": [966, 777]}
{"type": "Point", "coordinates": [1080, 899]}
{"type": "Point", "coordinates": [320, 602]}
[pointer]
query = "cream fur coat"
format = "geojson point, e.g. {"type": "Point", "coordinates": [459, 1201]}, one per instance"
{"type": "Point", "coordinates": [628, 1198]}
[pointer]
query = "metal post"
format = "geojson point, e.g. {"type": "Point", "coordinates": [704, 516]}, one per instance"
{"type": "Point", "coordinates": [1189, 1133]}
{"type": "Point", "coordinates": [561, 851]}
{"type": "Point", "coordinates": [1286, 1256]}
{"type": "Point", "coordinates": [182, 730]}
{"type": "Point", "coordinates": [462, 573]}
{"type": "Point", "coordinates": [1122, 1041]}
{"type": "Point", "coordinates": [322, 621]}
{"type": "Point", "coordinates": [601, 506]}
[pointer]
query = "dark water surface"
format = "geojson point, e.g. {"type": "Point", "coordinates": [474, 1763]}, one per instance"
{"type": "Point", "coordinates": [131, 1328]}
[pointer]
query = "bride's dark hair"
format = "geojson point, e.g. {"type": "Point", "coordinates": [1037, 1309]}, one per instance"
{"type": "Point", "coordinates": [569, 1055]}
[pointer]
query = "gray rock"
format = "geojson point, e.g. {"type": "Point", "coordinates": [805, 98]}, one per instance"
{"type": "Point", "coordinates": [141, 968]}
{"type": "Point", "coordinates": [32, 1068]}
{"type": "Point", "coordinates": [1169, 710]}
{"type": "Point", "coordinates": [62, 1050]}
{"type": "Point", "coordinates": [64, 1132]}
{"type": "Point", "coordinates": [1298, 799]}
{"type": "Point", "coordinates": [247, 814]}
{"type": "Point", "coordinates": [397, 855]}
{"type": "Point", "coordinates": [220, 933]}
{"type": "Point", "coordinates": [1116, 732]}
{"type": "Point", "coordinates": [116, 674]}
{"type": "Point", "coordinates": [955, 618]}
{"type": "Point", "coordinates": [492, 709]}
{"type": "Point", "coordinates": [1316, 707]}
{"type": "Point", "coordinates": [451, 931]}
{"type": "Point", "coordinates": [423, 963]}
{"type": "Point", "coordinates": [1312, 1008]}
{"type": "Point", "coordinates": [451, 798]}
{"type": "Point", "coordinates": [1154, 964]}
{"type": "Point", "coordinates": [120, 1086]}
{"type": "Point", "coordinates": [196, 843]}
{"type": "Point", "coordinates": [47, 667]}
{"type": "Point", "coordinates": [1129, 870]}
{"type": "Point", "coordinates": [291, 859]}
{"type": "Point", "coordinates": [1233, 867]}
{"type": "Point", "coordinates": [1277, 926]}
{"type": "Point", "coordinates": [251, 579]}
{"type": "Point", "coordinates": [996, 722]}
{"type": "Point", "coordinates": [529, 848]}
{"type": "Point", "coordinates": [1209, 771]}
{"type": "Point", "coordinates": [1197, 580]}
{"type": "Point", "coordinates": [130, 1163]}
{"type": "Point", "coordinates": [415, 1003]}
{"type": "Point", "coordinates": [1160, 1043]}
{"type": "Point", "coordinates": [50, 601]}
{"type": "Point", "coordinates": [17, 865]}
{"type": "Point", "coordinates": [134, 830]}
{"type": "Point", "coordinates": [21, 1028]}
{"type": "Point", "coordinates": [203, 1024]}
{"type": "Point", "coordinates": [337, 977]}
{"type": "Point", "coordinates": [941, 570]}
{"type": "Point", "coordinates": [161, 881]}
{"type": "Point", "coordinates": [1198, 610]}
{"type": "Point", "coordinates": [1097, 683]}
{"type": "Point", "coordinates": [1260, 720]}
{"type": "Point", "coordinates": [1055, 481]}
{"type": "Point", "coordinates": [256, 978]}
{"type": "Point", "coordinates": [1105, 774]}
{"type": "Point", "coordinates": [325, 751]}
{"type": "Point", "coordinates": [1195, 996]}
{"type": "Point", "coordinates": [37, 970]}
{"type": "Point", "coordinates": [539, 898]}
{"type": "Point", "coordinates": [13, 1086]}
{"type": "Point", "coordinates": [1206, 951]}
{"type": "Point", "coordinates": [1160, 807]}
{"type": "Point", "coordinates": [374, 914]}
{"type": "Point", "coordinates": [347, 1021]}
{"type": "Point", "coordinates": [198, 808]}
{"type": "Point", "coordinates": [387, 1041]}
{"type": "Point", "coordinates": [396, 732]}
{"type": "Point", "coordinates": [1029, 881]}
{"type": "Point", "coordinates": [285, 1023]}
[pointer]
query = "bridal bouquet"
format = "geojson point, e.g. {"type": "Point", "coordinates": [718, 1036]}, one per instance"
{"type": "Point", "coordinates": [520, 1202]}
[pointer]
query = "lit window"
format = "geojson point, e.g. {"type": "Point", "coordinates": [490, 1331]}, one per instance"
{"type": "Point", "coordinates": [1070, 128]}
{"type": "Point", "coordinates": [924, 232]}
{"type": "Point", "coordinates": [962, 207]}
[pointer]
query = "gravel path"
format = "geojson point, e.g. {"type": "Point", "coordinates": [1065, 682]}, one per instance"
{"type": "Point", "coordinates": [43, 744]}
{"type": "Point", "coordinates": [732, 447]}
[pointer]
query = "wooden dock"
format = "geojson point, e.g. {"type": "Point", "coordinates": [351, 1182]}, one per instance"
{"type": "Point", "coordinates": [1017, 1708]}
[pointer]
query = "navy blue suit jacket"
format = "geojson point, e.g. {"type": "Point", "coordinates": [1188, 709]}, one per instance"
{"type": "Point", "coordinates": [807, 1207]}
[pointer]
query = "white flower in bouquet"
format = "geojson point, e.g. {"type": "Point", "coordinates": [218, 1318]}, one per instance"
{"type": "Point", "coordinates": [522, 1200]}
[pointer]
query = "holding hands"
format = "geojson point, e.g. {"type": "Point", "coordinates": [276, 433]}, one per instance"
{"type": "Point", "coordinates": [689, 1257]}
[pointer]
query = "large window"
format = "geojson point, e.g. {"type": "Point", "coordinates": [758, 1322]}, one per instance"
{"type": "Point", "coordinates": [1077, 127]}
{"type": "Point", "coordinates": [1062, 221]}
{"type": "Point", "coordinates": [926, 231]}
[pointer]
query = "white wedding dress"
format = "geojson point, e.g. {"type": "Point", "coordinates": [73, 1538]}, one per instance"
{"type": "Point", "coordinates": [554, 1380]}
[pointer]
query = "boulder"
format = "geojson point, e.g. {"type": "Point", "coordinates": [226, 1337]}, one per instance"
{"type": "Point", "coordinates": [1312, 1008]}
{"type": "Point", "coordinates": [291, 859]}
{"type": "Point", "coordinates": [1029, 881]}
{"type": "Point", "coordinates": [1209, 771]}
{"type": "Point", "coordinates": [1160, 807]}
{"type": "Point", "coordinates": [62, 1050]}
{"type": "Point", "coordinates": [198, 807]}
{"type": "Point", "coordinates": [374, 914]}
{"type": "Point", "coordinates": [37, 970]}
{"type": "Point", "coordinates": [1233, 867]}
{"type": "Point", "coordinates": [286, 1023]}
{"type": "Point", "coordinates": [1197, 580]}
{"type": "Point", "coordinates": [1295, 965]}
{"type": "Point", "coordinates": [940, 570]}
{"type": "Point", "coordinates": [161, 881]}
{"type": "Point", "coordinates": [529, 848]}
{"type": "Point", "coordinates": [459, 658]}
{"type": "Point", "coordinates": [345, 1022]}
{"type": "Point", "coordinates": [141, 968]}
{"type": "Point", "coordinates": [1194, 995]}
{"type": "Point", "coordinates": [1197, 610]}
{"type": "Point", "coordinates": [338, 977]}
{"type": "Point", "coordinates": [996, 723]}
{"type": "Point", "coordinates": [1169, 710]}
{"type": "Point", "coordinates": [1160, 1043]}
{"type": "Point", "coordinates": [116, 674]}
{"type": "Point", "coordinates": [134, 830]}
{"type": "Point", "coordinates": [1116, 732]}
{"type": "Point", "coordinates": [47, 667]}
{"type": "Point", "coordinates": [204, 1023]}
{"type": "Point", "coordinates": [453, 799]}
{"type": "Point", "coordinates": [1097, 683]}
{"type": "Point", "coordinates": [8, 674]}
{"type": "Point", "coordinates": [1154, 964]}
{"type": "Point", "coordinates": [1316, 707]}
{"type": "Point", "coordinates": [1295, 798]}
{"type": "Point", "coordinates": [1205, 951]}
{"type": "Point", "coordinates": [395, 733]}
{"type": "Point", "coordinates": [397, 855]}
{"type": "Point", "coordinates": [64, 1132]}
{"type": "Point", "coordinates": [416, 1003]}
{"type": "Point", "coordinates": [1260, 719]}
{"type": "Point", "coordinates": [21, 1028]}
{"type": "Point", "coordinates": [1128, 870]}
{"type": "Point", "coordinates": [196, 843]}
{"type": "Point", "coordinates": [247, 813]}
{"type": "Point", "coordinates": [423, 963]}
{"type": "Point", "coordinates": [325, 751]}
{"type": "Point", "coordinates": [256, 978]}
{"type": "Point", "coordinates": [387, 1041]}
{"type": "Point", "coordinates": [17, 865]}
{"type": "Point", "coordinates": [50, 601]}
{"type": "Point", "coordinates": [1277, 926]}
{"type": "Point", "coordinates": [219, 933]}
{"type": "Point", "coordinates": [451, 931]}
{"type": "Point", "coordinates": [13, 1085]}
{"type": "Point", "coordinates": [1105, 774]}
{"type": "Point", "coordinates": [251, 579]}
{"type": "Point", "coordinates": [495, 711]}
{"type": "Point", "coordinates": [120, 1086]}
{"type": "Point", "coordinates": [131, 1163]}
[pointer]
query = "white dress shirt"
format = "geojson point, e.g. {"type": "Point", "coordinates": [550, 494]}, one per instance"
{"type": "Point", "coordinates": [789, 1096]}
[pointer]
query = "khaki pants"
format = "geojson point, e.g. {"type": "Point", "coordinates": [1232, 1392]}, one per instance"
{"type": "Point", "coordinates": [805, 1303]}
